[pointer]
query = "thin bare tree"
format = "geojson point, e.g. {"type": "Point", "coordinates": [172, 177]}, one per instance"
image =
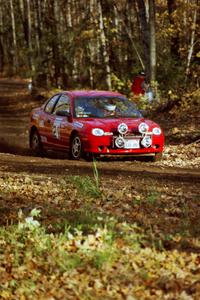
{"type": "Point", "coordinates": [14, 39]}
{"type": "Point", "coordinates": [105, 55]}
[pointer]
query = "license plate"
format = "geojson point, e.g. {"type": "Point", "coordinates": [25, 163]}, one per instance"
{"type": "Point", "coordinates": [132, 144]}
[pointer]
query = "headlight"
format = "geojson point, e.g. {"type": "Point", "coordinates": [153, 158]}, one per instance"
{"type": "Point", "coordinates": [119, 142]}
{"type": "Point", "coordinates": [156, 131]}
{"type": "Point", "coordinates": [122, 128]}
{"type": "Point", "coordinates": [143, 127]}
{"type": "Point", "coordinates": [97, 131]}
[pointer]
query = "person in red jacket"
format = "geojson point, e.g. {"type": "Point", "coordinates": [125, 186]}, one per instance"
{"type": "Point", "coordinates": [140, 87]}
{"type": "Point", "coordinates": [138, 84]}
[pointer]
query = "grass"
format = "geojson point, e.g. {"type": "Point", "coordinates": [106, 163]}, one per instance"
{"type": "Point", "coordinates": [87, 185]}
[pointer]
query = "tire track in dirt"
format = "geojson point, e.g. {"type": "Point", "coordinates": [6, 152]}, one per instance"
{"type": "Point", "coordinates": [64, 167]}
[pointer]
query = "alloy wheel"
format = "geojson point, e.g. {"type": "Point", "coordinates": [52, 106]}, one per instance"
{"type": "Point", "coordinates": [76, 148]}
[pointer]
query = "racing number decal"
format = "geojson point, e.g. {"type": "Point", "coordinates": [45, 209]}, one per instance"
{"type": "Point", "coordinates": [55, 131]}
{"type": "Point", "coordinates": [56, 128]}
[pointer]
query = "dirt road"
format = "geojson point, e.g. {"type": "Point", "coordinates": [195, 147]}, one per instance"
{"type": "Point", "coordinates": [15, 106]}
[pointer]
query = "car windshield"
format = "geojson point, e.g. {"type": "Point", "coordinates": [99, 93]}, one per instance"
{"type": "Point", "coordinates": [105, 107]}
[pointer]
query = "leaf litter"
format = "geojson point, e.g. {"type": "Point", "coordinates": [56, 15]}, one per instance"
{"type": "Point", "coordinates": [139, 241]}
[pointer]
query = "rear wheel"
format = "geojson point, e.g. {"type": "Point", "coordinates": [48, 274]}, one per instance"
{"type": "Point", "coordinates": [76, 147]}
{"type": "Point", "coordinates": [35, 143]}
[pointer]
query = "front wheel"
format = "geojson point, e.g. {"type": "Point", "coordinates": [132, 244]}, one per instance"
{"type": "Point", "coordinates": [76, 147]}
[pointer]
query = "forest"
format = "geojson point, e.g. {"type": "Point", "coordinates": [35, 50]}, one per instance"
{"type": "Point", "coordinates": [113, 228]}
{"type": "Point", "coordinates": [101, 44]}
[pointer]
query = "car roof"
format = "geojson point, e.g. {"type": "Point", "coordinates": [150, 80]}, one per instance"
{"type": "Point", "coordinates": [91, 93]}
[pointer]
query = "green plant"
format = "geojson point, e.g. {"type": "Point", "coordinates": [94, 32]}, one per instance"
{"type": "Point", "coordinates": [99, 258]}
{"type": "Point", "coordinates": [96, 176]}
{"type": "Point", "coordinates": [68, 261]}
{"type": "Point", "coordinates": [87, 185]}
{"type": "Point", "coordinates": [152, 198]}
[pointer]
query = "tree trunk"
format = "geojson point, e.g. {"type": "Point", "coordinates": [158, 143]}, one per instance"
{"type": "Point", "coordinates": [144, 36]}
{"type": "Point", "coordinates": [57, 43]}
{"type": "Point", "coordinates": [174, 47]}
{"type": "Point", "coordinates": [128, 31]}
{"type": "Point", "coordinates": [14, 40]}
{"type": "Point", "coordinates": [192, 41]}
{"type": "Point", "coordinates": [37, 24]}
{"type": "Point", "coordinates": [1, 56]}
{"type": "Point", "coordinates": [91, 45]}
{"type": "Point", "coordinates": [105, 55]}
{"type": "Point", "coordinates": [152, 40]}
{"type": "Point", "coordinates": [1, 40]}
{"type": "Point", "coordinates": [68, 14]}
{"type": "Point", "coordinates": [32, 66]}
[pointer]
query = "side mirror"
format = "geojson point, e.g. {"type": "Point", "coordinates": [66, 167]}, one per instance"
{"type": "Point", "coordinates": [63, 113]}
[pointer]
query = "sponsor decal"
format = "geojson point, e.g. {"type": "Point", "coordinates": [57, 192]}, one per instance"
{"type": "Point", "coordinates": [56, 128]}
{"type": "Point", "coordinates": [78, 124]}
{"type": "Point", "coordinates": [41, 123]}
{"type": "Point", "coordinates": [35, 116]}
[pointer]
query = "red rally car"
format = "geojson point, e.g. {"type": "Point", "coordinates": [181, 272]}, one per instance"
{"type": "Point", "coordinates": [96, 123]}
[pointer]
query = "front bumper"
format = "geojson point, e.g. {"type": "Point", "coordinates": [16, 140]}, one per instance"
{"type": "Point", "coordinates": [104, 146]}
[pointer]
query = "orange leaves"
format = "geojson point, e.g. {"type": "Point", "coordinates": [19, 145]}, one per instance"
{"type": "Point", "coordinates": [182, 155]}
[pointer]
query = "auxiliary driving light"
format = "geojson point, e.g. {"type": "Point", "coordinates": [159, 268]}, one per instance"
{"type": "Point", "coordinates": [143, 128]}
{"type": "Point", "coordinates": [119, 142]}
{"type": "Point", "coordinates": [122, 128]}
{"type": "Point", "coordinates": [146, 141]}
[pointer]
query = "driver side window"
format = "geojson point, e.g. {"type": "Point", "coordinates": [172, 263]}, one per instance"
{"type": "Point", "coordinates": [63, 104]}
{"type": "Point", "coordinates": [50, 104]}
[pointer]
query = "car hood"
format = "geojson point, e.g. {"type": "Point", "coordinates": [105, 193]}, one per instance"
{"type": "Point", "coordinates": [112, 124]}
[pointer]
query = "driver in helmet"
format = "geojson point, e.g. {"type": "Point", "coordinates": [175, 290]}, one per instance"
{"type": "Point", "coordinates": [109, 109]}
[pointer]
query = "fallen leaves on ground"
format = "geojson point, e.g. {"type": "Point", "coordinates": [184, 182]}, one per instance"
{"type": "Point", "coordinates": [134, 239]}
{"type": "Point", "coordinates": [184, 156]}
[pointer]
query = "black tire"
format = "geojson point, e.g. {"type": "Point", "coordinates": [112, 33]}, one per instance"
{"type": "Point", "coordinates": [35, 143]}
{"type": "Point", "coordinates": [76, 148]}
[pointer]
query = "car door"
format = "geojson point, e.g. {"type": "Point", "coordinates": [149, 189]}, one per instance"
{"type": "Point", "coordinates": [45, 121]}
{"type": "Point", "coordinates": [61, 127]}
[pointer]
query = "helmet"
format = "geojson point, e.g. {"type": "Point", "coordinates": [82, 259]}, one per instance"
{"type": "Point", "coordinates": [110, 107]}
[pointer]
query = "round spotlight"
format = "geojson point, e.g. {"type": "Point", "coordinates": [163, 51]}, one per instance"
{"type": "Point", "coordinates": [146, 142]}
{"type": "Point", "coordinates": [122, 128]}
{"type": "Point", "coordinates": [143, 128]}
{"type": "Point", "coordinates": [119, 142]}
